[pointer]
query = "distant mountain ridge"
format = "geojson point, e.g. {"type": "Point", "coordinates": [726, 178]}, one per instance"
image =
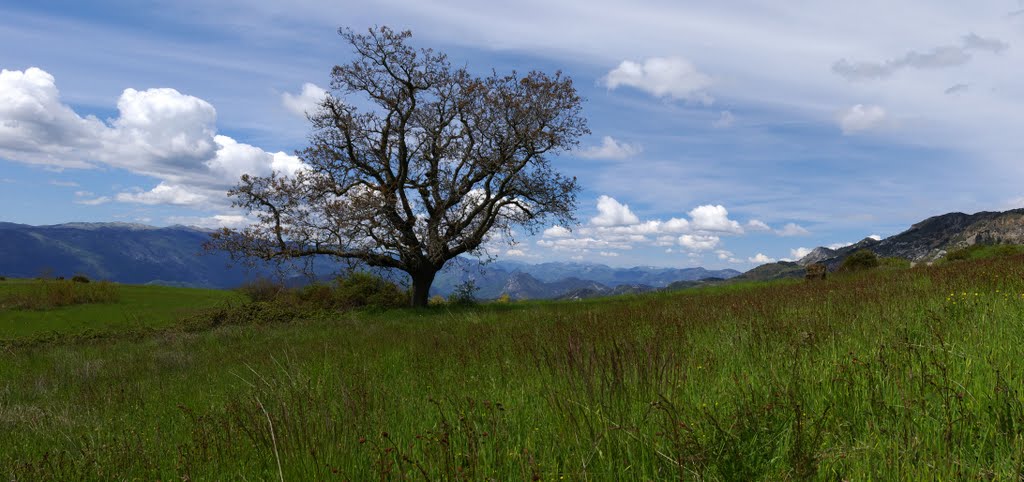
{"type": "Point", "coordinates": [932, 238]}
{"type": "Point", "coordinates": [560, 280]}
{"type": "Point", "coordinates": [128, 253]}
{"type": "Point", "coordinates": [923, 242]}
{"type": "Point", "coordinates": [141, 254]}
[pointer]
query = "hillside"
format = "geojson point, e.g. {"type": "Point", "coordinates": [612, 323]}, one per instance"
{"type": "Point", "coordinates": [127, 253]}
{"type": "Point", "coordinates": [923, 242]}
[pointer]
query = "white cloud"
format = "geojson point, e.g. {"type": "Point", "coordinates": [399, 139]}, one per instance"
{"type": "Point", "coordinates": [516, 253]}
{"type": "Point", "coordinates": [675, 225]}
{"type": "Point", "coordinates": [94, 201]}
{"type": "Point", "coordinates": [761, 258]}
{"type": "Point", "coordinates": [577, 244]}
{"type": "Point", "coordinates": [212, 222]}
{"type": "Point", "coordinates": [608, 254]}
{"type": "Point", "coordinates": [160, 133]}
{"type": "Point", "coordinates": [665, 240]}
{"type": "Point", "coordinates": [875, 237]}
{"type": "Point", "coordinates": [714, 218]}
{"type": "Point", "coordinates": [758, 225]}
{"type": "Point", "coordinates": [671, 77]}
{"type": "Point", "coordinates": [861, 117]}
{"type": "Point", "coordinates": [798, 253]}
{"type": "Point", "coordinates": [55, 182]}
{"type": "Point", "coordinates": [792, 229]}
{"type": "Point", "coordinates": [610, 149]}
{"type": "Point", "coordinates": [838, 245]}
{"type": "Point", "coordinates": [557, 232]}
{"type": "Point", "coordinates": [723, 255]}
{"type": "Point", "coordinates": [613, 213]}
{"type": "Point", "coordinates": [698, 242]}
{"type": "Point", "coordinates": [37, 128]}
{"type": "Point", "coordinates": [725, 119]}
{"type": "Point", "coordinates": [308, 100]}
{"type": "Point", "coordinates": [165, 194]}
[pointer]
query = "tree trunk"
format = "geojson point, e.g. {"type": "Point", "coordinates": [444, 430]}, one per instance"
{"type": "Point", "coordinates": [421, 282]}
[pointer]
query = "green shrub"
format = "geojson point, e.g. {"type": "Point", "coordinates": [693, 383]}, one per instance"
{"type": "Point", "coordinates": [80, 278]}
{"type": "Point", "coordinates": [3, 278]}
{"type": "Point", "coordinates": [861, 260]}
{"type": "Point", "coordinates": [437, 300]}
{"type": "Point", "coordinates": [464, 294]}
{"type": "Point", "coordinates": [358, 290]}
{"type": "Point", "coordinates": [365, 289]}
{"type": "Point", "coordinates": [894, 262]}
{"type": "Point", "coordinates": [504, 298]}
{"type": "Point", "coordinates": [254, 313]}
{"type": "Point", "coordinates": [262, 289]}
{"type": "Point", "coordinates": [984, 251]}
{"type": "Point", "coordinates": [56, 293]}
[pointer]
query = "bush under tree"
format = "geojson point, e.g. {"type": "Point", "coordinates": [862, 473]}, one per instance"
{"type": "Point", "coordinates": [861, 260]}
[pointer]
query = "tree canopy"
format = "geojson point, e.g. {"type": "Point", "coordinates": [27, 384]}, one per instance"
{"type": "Point", "coordinates": [412, 162]}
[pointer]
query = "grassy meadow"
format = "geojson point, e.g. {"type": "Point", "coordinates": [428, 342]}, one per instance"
{"type": "Point", "coordinates": [891, 374]}
{"type": "Point", "coordinates": [118, 308]}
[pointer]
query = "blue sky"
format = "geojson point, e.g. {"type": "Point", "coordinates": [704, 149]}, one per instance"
{"type": "Point", "coordinates": [725, 134]}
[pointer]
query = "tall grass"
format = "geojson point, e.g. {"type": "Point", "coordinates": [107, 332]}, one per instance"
{"type": "Point", "coordinates": [49, 293]}
{"type": "Point", "coordinates": [886, 375]}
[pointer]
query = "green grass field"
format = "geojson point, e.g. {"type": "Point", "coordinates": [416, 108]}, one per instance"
{"type": "Point", "coordinates": [912, 374]}
{"type": "Point", "coordinates": [139, 307]}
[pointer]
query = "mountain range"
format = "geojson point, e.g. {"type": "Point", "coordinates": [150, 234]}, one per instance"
{"type": "Point", "coordinates": [923, 242]}
{"type": "Point", "coordinates": [140, 254]}
{"type": "Point", "coordinates": [564, 280]}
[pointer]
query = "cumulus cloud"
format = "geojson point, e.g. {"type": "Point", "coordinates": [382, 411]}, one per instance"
{"type": "Point", "coordinates": [860, 118]}
{"type": "Point", "coordinates": [698, 242]}
{"type": "Point", "coordinates": [714, 218]}
{"type": "Point", "coordinates": [613, 213]}
{"type": "Point", "coordinates": [608, 254]}
{"type": "Point", "coordinates": [577, 244]}
{"type": "Point", "coordinates": [761, 258]}
{"type": "Point", "coordinates": [758, 225]}
{"type": "Point", "coordinates": [160, 133]}
{"type": "Point", "coordinates": [725, 119]}
{"type": "Point", "coordinates": [37, 128]}
{"type": "Point", "coordinates": [797, 253]}
{"type": "Point", "coordinates": [935, 58]}
{"type": "Point", "coordinates": [670, 77]}
{"type": "Point", "coordinates": [875, 237]}
{"type": "Point", "coordinates": [165, 194]}
{"type": "Point", "coordinates": [792, 229]}
{"type": "Point", "coordinates": [611, 149]}
{"type": "Point", "coordinates": [307, 100]}
{"type": "Point", "coordinates": [616, 227]}
{"type": "Point", "coordinates": [516, 253]}
{"type": "Point", "coordinates": [557, 232]}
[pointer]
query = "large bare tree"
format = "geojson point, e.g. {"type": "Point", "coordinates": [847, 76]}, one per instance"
{"type": "Point", "coordinates": [413, 162]}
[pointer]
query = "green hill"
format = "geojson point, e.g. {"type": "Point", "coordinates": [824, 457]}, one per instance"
{"type": "Point", "coordinates": [895, 374]}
